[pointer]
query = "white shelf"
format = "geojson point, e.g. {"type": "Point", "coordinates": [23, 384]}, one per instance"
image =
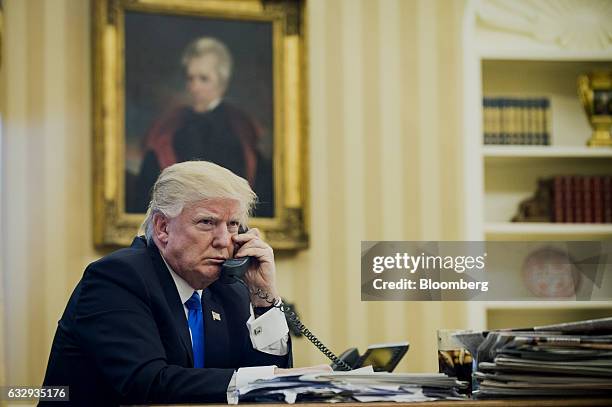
{"type": "Point", "coordinates": [545, 152]}
{"type": "Point", "coordinates": [546, 304]}
{"type": "Point", "coordinates": [537, 228]}
{"type": "Point", "coordinates": [542, 55]}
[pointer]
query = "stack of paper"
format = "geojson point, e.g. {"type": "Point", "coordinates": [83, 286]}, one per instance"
{"type": "Point", "coordinates": [363, 385]}
{"type": "Point", "coordinates": [570, 361]}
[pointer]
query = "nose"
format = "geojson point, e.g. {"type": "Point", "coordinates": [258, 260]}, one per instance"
{"type": "Point", "coordinates": [194, 85]}
{"type": "Point", "coordinates": [222, 237]}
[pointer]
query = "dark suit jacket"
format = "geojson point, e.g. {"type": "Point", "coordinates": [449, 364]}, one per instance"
{"type": "Point", "coordinates": [124, 338]}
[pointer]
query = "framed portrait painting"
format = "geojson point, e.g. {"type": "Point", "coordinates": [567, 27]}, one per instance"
{"type": "Point", "coordinates": [220, 81]}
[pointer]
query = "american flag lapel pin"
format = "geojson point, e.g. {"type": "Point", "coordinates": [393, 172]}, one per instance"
{"type": "Point", "coordinates": [216, 316]}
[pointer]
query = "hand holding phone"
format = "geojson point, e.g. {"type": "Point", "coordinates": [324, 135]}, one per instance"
{"type": "Point", "coordinates": [259, 273]}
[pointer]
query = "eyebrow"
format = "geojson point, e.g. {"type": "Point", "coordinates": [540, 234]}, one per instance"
{"type": "Point", "coordinates": [216, 218]}
{"type": "Point", "coordinates": [204, 214]}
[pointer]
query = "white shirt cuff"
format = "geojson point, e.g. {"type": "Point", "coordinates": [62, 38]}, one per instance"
{"type": "Point", "coordinates": [269, 332]}
{"type": "Point", "coordinates": [243, 377]}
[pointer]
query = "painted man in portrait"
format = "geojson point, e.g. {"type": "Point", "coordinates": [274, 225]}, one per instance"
{"type": "Point", "coordinates": [210, 129]}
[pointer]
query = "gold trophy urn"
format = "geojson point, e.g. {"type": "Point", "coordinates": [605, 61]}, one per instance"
{"type": "Point", "coordinates": [595, 91]}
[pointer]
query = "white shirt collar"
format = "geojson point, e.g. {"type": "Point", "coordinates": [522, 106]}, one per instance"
{"type": "Point", "coordinates": [213, 104]}
{"type": "Point", "coordinates": [184, 289]}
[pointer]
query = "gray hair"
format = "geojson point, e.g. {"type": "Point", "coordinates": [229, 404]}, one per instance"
{"type": "Point", "coordinates": [208, 45]}
{"type": "Point", "coordinates": [192, 181]}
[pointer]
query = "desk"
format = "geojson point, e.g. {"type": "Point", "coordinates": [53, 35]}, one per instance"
{"type": "Point", "coordinates": [577, 402]}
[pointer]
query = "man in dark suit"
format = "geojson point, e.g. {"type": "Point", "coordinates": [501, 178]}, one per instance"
{"type": "Point", "coordinates": [152, 323]}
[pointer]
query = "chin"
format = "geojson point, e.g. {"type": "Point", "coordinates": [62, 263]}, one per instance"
{"type": "Point", "coordinates": [210, 275]}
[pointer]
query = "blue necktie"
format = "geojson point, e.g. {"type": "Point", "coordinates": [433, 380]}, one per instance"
{"type": "Point", "coordinates": [196, 325]}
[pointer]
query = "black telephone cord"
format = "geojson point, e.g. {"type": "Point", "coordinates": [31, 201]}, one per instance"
{"type": "Point", "coordinates": [293, 318]}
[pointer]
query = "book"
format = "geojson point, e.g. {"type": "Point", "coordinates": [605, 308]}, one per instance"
{"type": "Point", "coordinates": [568, 193]}
{"type": "Point", "coordinates": [516, 121]}
{"type": "Point", "coordinates": [597, 200]}
{"type": "Point", "coordinates": [587, 199]}
{"type": "Point", "coordinates": [607, 199]}
{"type": "Point", "coordinates": [577, 199]}
{"type": "Point", "coordinates": [559, 199]}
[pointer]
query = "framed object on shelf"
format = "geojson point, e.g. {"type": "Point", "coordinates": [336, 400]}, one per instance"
{"type": "Point", "coordinates": [221, 81]}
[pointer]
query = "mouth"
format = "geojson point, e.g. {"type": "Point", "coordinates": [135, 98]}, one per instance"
{"type": "Point", "coordinates": [215, 260]}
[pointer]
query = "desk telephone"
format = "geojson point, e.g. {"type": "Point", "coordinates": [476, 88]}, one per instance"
{"type": "Point", "coordinates": [383, 358]}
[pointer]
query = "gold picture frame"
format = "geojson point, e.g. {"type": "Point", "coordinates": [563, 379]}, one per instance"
{"type": "Point", "coordinates": [120, 32]}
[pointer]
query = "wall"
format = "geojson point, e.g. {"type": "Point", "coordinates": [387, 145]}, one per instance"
{"type": "Point", "coordinates": [385, 92]}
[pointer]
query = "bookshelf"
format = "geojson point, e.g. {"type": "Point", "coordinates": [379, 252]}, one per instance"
{"type": "Point", "coordinates": [505, 61]}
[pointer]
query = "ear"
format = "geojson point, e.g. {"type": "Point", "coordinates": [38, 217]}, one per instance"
{"type": "Point", "coordinates": [160, 229]}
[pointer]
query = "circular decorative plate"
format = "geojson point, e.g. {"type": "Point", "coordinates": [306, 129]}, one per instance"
{"type": "Point", "coordinates": [551, 273]}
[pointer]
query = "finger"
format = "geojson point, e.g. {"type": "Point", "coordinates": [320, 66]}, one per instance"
{"type": "Point", "coordinates": [260, 253]}
{"type": "Point", "coordinates": [250, 232]}
{"type": "Point", "coordinates": [256, 243]}
{"type": "Point", "coordinates": [251, 241]}
{"type": "Point", "coordinates": [255, 232]}
{"type": "Point", "coordinates": [244, 237]}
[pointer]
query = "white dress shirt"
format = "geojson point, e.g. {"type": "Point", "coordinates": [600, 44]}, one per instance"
{"type": "Point", "coordinates": [269, 334]}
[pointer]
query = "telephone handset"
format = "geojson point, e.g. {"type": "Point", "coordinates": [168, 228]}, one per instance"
{"type": "Point", "coordinates": [233, 271]}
